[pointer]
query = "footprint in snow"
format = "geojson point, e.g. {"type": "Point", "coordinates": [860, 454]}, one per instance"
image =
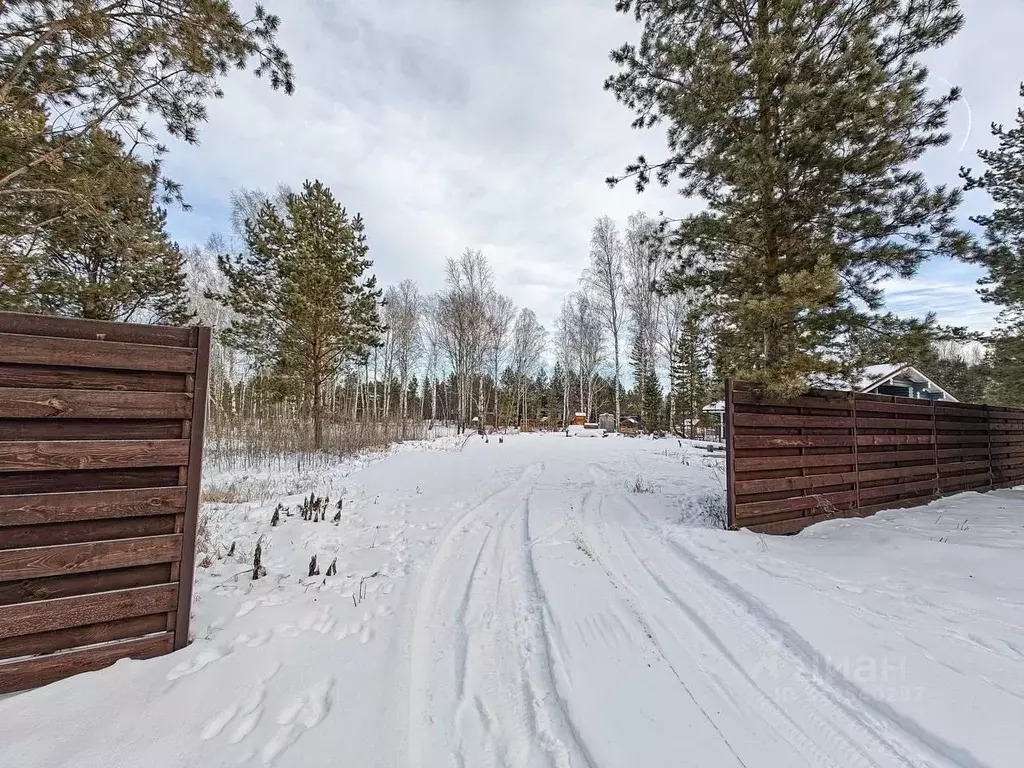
{"type": "Point", "coordinates": [191, 666]}
{"type": "Point", "coordinates": [306, 711]}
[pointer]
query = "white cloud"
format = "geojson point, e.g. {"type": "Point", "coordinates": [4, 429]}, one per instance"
{"type": "Point", "coordinates": [483, 123]}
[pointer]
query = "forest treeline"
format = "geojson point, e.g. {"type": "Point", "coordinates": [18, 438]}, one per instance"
{"type": "Point", "coordinates": [801, 125]}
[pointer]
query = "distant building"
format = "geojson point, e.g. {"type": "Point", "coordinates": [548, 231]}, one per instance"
{"type": "Point", "coordinates": [894, 379]}
{"type": "Point", "coordinates": [607, 422]}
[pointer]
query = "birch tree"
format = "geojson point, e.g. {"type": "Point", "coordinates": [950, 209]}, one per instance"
{"type": "Point", "coordinates": [606, 280]}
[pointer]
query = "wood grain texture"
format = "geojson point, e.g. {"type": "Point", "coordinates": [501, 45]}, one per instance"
{"type": "Point", "coordinates": [42, 508]}
{"type": "Point", "coordinates": [52, 534]}
{"type": "Point", "coordinates": [44, 455]}
{"type": "Point", "coordinates": [49, 615]}
{"type": "Point", "coordinates": [90, 429]}
{"type": "Point", "coordinates": [61, 377]}
{"type": "Point", "coordinates": [90, 634]}
{"type": "Point", "coordinates": [14, 483]}
{"type": "Point", "coordinates": [37, 562]}
{"type": "Point", "coordinates": [72, 328]}
{"type": "Point", "coordinates": [19, 675]}
{"type": "Point", "coordinates": [78, 353]}
{"type": "Point", "coordinates": [27, 590]}
{"type": "Point", "coordinates": [18, 403]}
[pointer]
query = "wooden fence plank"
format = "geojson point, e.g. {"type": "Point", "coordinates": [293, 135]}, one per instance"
{"type": "Point", "coordinates": [794, 483]}
{"type": "Point", "coordinates": [780, 420]}
{"type": "Point", "coordinates": [761, 463]}
{"type": "Point", "coordinates": [90, 429]}
{"type": "Point", "coordinates": [19, 675]}
{"type": "Point", "coordinates": [793, 504]}
{"type": "Point", "coordinates": [36, 562]}
{"type": "Point", "coordinates": [65, 612]}
{"type": "Point", "coordinates": [44, 455]}
{"type": "Point", "coordinates": [73, 328]}
{"type": "Point", "coordinates": [27, 590]}
{"type": "Point", "coordinates": [57, 377]}
{"type": "Point", "coordinates": [863, 439]}
{"type": "Point", "coordinates": [52, 534]}
{"type": "Point", "coordinates": [90, 634]}
{"type": "Point", "coordinates": [93, 404]}
{"type": "Point", "coordinates": [792, 441]}
{"type": "Point", "coordinates": [15, 483]}
{"type": "Point", "coordinates": [40, 508]}
{"type": "Point", "coordinates": [865, 422]}
{"type": "Point", "coordinates": [40, 350]}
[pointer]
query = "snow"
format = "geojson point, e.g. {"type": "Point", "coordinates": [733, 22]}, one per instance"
{"type": "Point", "coordinates": [554, 602]}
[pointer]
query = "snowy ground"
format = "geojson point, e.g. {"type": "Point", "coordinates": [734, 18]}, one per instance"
{"type": "Point", "coordinates": [555, 601]}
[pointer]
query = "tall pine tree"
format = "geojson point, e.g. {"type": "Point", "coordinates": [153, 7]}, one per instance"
{"type": "Point", "coordinates": [1002, 254]}
{"type": "Point", "coordinates": [307, 309]}
{"type": "Point", "coordinates": [800, 124]}
{"type": "Point", "coordinates": [691, 366]}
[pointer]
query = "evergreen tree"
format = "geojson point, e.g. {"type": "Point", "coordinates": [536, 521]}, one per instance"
{"type": "Point", "coordinates": [1003, 254]}
{"type": "Point", "coordinates": [652, 400]}
{"type": "Point", "coordinates": [306, 309]}
{"type": "Point", "coordinates": [118, 263]}
{"type": "Point", "coordinates": [799, 123]}
{"type": "Point", "coordinates": [691, 364]}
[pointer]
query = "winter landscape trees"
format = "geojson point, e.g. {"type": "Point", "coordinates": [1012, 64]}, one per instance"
{"type": "Point", "coordinates": [798, 125]}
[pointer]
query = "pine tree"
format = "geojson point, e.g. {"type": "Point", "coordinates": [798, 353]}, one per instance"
{"type": "Point", "coordinates": [1002, 254]}
{"type": "Point", "coordinates": [799, 123]}
{"type": "Point", "coordinates": [691, 365]}
{"type": "Point", "coordinates": [118, 263]}
{"type": "Point", "coordinates": [652, 400]}
{"type": "Point", "coordinates": [306, 309]}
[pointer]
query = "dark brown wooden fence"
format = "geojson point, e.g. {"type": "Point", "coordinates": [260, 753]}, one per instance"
{"type": "Point", "coordinates": [835, 454]}
{"type": "Point", "coordinates": [101, 439]}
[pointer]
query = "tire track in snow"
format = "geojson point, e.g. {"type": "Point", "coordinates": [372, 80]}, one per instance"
{"type": "Point", "coordinates": [877, 717]}
{"type": "Point", "coordinates": [482, 689]}
{"type": "Point", "coordinates": [819, 723]}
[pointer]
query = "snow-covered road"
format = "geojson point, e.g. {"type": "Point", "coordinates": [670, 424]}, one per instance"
{"type": "Point", "coordinates": [558, 602]}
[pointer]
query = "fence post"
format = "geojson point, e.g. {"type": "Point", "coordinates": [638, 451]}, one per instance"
{"type": "Point", "coordinates": [730, 459]}
{"type": "Point", "coordinates": [935, 450]}
{"type": "Point", "coordinates": [991, 459]}
{"type": "Point", "coordinates": [856, 455]}
{"type": "Point", "coordinates": [195, 475]}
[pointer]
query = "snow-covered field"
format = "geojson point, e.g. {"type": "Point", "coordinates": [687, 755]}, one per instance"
{"type": "Point", "coordinates": [550, 601]}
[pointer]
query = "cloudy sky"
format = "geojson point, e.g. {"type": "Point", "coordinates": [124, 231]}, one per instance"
{"type": "Point", "coordinates": [482, 123]}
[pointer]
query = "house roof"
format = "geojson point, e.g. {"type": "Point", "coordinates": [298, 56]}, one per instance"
{"type": "Point", "coordinates": [871, 377]}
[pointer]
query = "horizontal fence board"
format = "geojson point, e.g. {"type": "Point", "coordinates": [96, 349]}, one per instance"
{"type": "Point", "coordinates": [830, 403]}
{"type": "Point", "coordinates": [777, 420]}
{"type": "Point", "coordinates": [89, 634]}
{"type": "Point", "coordinates": [876, 423]}
{"type": "Point", "coordinates": [759, 463]}
{"type": "Point", "coordinates": [62, 377]}
{"type": "Point", "coordinates": [800, 502]}
{"type": "Point", "coordinates": [72, 328]}
{"type": "Point", "coordinates": [828, 454]}
{"type": "Point", "coordinates": [41, 350]}
{"type": "Point", "coordinates": [42, 508]}
{"type": "Point", "coordinates": [19, 675]}
{"type": "Point", "coordinates": [37, 562]}
{"type": "Point", "coordinates": [87, 480]}
{"type": "Point", "coordinates": [65, 612]}
{"type": "Point", "coordinates": [93, 404]}
{"type": "Point", "coordinates": [745, 487]}
{"type": "Point", "coordinates": [792, 441]}
{"type": "Point", "coordinates": [27, 590]}
{"type": "Point", "coordinates": [40, 456]}
{"type": "Point", "coordinates": [90, 429]}
{"type": "Point", "coordinates": [52, 534]}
